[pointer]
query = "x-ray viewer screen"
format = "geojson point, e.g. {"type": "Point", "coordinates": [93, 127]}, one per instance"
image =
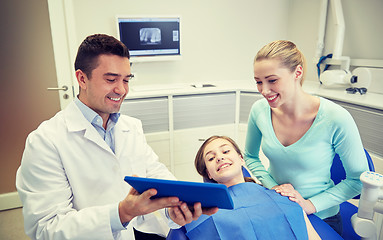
{"type": "Point", "coordinates": [150, 36]}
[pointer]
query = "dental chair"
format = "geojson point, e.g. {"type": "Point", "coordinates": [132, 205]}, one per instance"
{"type": "Point", "coordinates": [322, 228]}
{"type": "Point", "coordinates": [347, 210]}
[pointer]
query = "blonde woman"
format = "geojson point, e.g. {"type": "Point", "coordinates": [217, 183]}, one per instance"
{"type": "Point", "coordinates": [300, 136]}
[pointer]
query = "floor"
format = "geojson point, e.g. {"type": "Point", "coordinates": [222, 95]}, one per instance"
{"type": "Point", "coordinates": [12, 225]}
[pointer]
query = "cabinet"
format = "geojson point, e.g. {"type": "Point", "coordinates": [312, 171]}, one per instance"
{"type": "Point", "coordinates": [154, 114]}
{"type": "Point", "coordinates": [247, 100]}
{"type": "Point", "coordinates": [200, 110]}
{"type": "Point", "coordinates": [152, 111]}
{"type": "Point", "coordinates": [197, 117]}
{"type": "Point", "coordinates": [186, 145]}
{"type": "Point", "coordinates": [160, 143]}
{"type": "Point", "coordinates": [370, 125]}
{"type": "Point", "coordinates": [175, 126]}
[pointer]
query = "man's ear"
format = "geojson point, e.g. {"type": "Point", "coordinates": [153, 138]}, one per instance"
{"type": "Point", "coordinates": [81, 78]}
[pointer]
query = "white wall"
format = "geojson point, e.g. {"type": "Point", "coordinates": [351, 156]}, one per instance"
{"type": "Point", "coordinates": [303, 26]}
{"type": "Point", "coordinates": [219, 37]}
{"type": "Point", "coordinates": [363, 33]}
{"type": "Point", "coordinates": [364, 30]}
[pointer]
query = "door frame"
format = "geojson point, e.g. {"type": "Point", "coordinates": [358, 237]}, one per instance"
{"type": "Point", "coordinates": [63, 32]}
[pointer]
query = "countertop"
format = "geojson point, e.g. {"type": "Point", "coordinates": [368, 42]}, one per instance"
{"type": "Point", "coordinates": [372, 100]}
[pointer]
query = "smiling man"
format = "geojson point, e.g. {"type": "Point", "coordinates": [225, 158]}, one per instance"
{"type": "Point", "coordinates": [71, 178]}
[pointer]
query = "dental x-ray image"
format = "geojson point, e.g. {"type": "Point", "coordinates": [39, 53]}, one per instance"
{"type": "Point", "coordinates": [150, 36]}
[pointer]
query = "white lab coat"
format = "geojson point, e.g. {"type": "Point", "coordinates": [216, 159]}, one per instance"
{"type": "Point", "coordinates": [69, 177]}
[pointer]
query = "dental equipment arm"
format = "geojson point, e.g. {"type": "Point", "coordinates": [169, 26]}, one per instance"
{"type": "Point", "coordinates": [362, 222]}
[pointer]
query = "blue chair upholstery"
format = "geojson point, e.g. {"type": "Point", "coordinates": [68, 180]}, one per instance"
{"type": "Point", "coordinates": [323, 229]}
{"type": "Point", "coordinates": [338, 173]}
{"type": "Point", "coordinates": [347, 209]}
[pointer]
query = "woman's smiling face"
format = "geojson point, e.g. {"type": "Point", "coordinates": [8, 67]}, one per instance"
{"type": "Point", "coordinates": [274, 82]}
{"type": "Point", "coordinates": [223, 162]}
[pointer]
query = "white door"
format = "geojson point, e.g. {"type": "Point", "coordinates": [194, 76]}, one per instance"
{"type": "Point", "coordinates": [64, 48]}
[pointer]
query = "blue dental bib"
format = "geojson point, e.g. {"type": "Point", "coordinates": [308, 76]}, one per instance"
{"type": "Point", "coordinates": [258, 213]}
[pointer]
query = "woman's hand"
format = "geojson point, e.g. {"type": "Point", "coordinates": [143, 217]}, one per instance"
{"type": "Point", "coordinates": [289, 191]}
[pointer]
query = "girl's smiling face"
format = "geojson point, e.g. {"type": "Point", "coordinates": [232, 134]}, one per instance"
{"type": "Point", "coordinates": [223, 162]}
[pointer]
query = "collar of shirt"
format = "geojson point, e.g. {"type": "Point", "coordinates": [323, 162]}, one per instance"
{"type": "Point", "coordinates": [91, 115]}
{"type": "Point", "coordinates": [96, 120]}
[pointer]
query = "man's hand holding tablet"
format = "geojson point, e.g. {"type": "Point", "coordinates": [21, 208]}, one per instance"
{"type": "Point", "coordinates": [148, 195]}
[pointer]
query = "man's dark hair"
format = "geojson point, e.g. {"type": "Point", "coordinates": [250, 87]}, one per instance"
{"type": "Point", "coordinates": [94, 46]}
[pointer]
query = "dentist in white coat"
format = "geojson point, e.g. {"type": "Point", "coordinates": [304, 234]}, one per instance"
{"type": "Point", "coordinates": [71, 178]}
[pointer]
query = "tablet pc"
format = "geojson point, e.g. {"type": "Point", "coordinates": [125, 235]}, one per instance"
{"type": "Point", "coordinates": [208, 194]}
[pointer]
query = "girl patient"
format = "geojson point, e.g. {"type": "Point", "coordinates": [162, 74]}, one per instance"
{"type": "Point", "coordinates": [258, 213]}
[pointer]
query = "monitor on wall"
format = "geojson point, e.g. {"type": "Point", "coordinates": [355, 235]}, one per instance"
{"type": "Point", "coordinates": [150, 38]}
